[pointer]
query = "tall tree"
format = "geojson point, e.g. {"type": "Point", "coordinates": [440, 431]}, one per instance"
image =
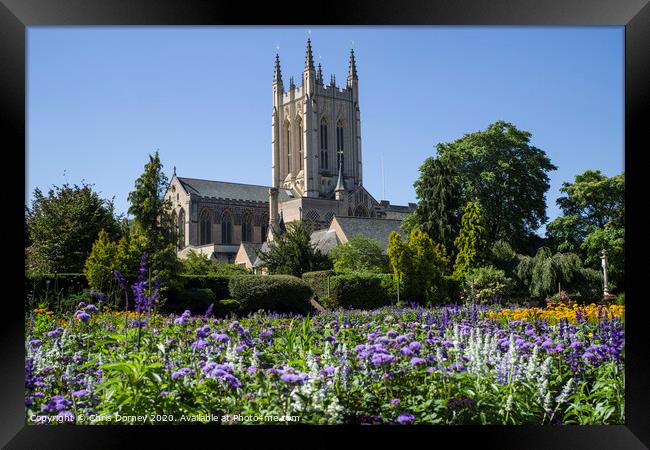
{"type": "Point", "coordinates": [63, 225]}
{"type": "Point", "coordinates": [152, 221]}
{"type": "Point", "coordinates": [506, 174]}
{"type": "Point", "coordinates": [291, 252]}
{"type": "Point", "coordinates": [438, 204]}
{"type": "Point", "coordinates": [593, 220]}
{"type": "Point", "coordinates": [420, 265]}
{"type": "Point", "coordinates": [471, 243]}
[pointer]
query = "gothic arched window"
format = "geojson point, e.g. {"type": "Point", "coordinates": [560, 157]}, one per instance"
{"type": "Point", "coordinates": [247, 228]}
{"type": "Point", "coordinates": [360, 211]}
{"type": "Point", "coordinates": [323, 143]}
{"type": "Point", "coordinates": [181, 229]}
{"type": "Point", "coordinates": [226, 228]}
{"type": "Point", "coordinates": [300, 143]}
{"type": "Point", "coordinates": [205, 223]}
{"type": "Point", "coordinates": [174, 227]}
{"type": "Point", "coordinates": [264, 227]}
{"type": "Point", "coordinates": [287, 139]}
{"type": "Point", "coordinates": [339, 144]}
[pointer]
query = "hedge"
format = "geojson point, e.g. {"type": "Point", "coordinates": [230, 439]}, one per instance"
{"type": "Point", "coordinates": [318, 281]}
{"type": "Point", "coordinates": [277, 293]}
{"type": "Point", "coordinates": [359, 291]}
{"type": "Point", "coordinates": [218, 284]}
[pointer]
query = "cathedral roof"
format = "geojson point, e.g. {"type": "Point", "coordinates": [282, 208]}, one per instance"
{"type": "Point", "coordinates": [372, 228]}
{"type": "Point", "coordinates": [325, 240]}
{"type": "Point", "coordinates": [231, 191]}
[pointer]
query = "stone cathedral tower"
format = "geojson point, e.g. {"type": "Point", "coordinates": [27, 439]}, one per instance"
{"type": "Point", "coordinates": [316, 132]}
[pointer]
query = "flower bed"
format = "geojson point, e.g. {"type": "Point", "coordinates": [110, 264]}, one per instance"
{"type": "Point", "coordinates": [447, 365]}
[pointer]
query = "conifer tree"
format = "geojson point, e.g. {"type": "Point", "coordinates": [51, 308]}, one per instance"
{"type": "Point", "coordinates": [471, 243]}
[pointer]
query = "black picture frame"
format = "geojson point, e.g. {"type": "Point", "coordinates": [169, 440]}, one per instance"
{"type": "Point", "coordinates": [16, 15]}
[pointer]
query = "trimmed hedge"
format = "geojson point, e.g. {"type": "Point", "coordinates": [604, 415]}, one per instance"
{"type": "Point", "coordinates": [218, 284]}
{"type": "Point", "coordinates": [197, 300]}
{"type": "Point", "coordinates": [227, 306]}
{"type": "Point", "coordinates": [278, 293]}
{"type": "Point", "coordinates": [318, 282]}
{"type": "Point", "coordinates": [359, 291]}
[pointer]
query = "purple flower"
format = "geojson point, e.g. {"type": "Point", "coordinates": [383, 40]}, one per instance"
{"type": "Point", "coordinates": [292, 378]}
{"type": "Point", "coordinates": [80, 393]}
{"type": "Point", "coordinates": [56, 403]}
{"type": "Point", "coordinates": [183, 318]}
{"type": "Point", "coordinates": [91, 309]}
{"type": "Point", "coordinates": [406, 418]}
{"type": "Point", "coordinates": [82, 315]}
{"type": "Point", "coordinates": [395, 402]}
{"type": "Point", "coordinates": [418, 361]}
{"type": "Point", "coordinates": [379, 359]}
{"type": "Point", "coordinates": [220, 337]}
{"type": "Point", "coordinates": [120, 279]}
{"type": "Point", "coordinates": [35, 342]}
{"type": "Point", "coordinates": [415, 346]}
{"type": "Point", "coordinates": [208, 312]}
{"type": "Point", "coordinates": [391, 333]}
{"type": "Point", "coordinates": [327, 371]}
{"type": "Point", "coordinates": [182, 373]}
{"type": "Point", "coordinates": [55, 333]}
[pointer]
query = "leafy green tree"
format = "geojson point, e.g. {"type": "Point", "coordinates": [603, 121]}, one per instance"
{"type": "Point", "coordinates": [152, 222]}
{"type": "Point", "coordinates": [548, 272]}
{"type": "Point", "coordinates": [471, 243]}
{"type": "Point", "coordinates": [63, 225]}
{"type": "Point", "coordinates": [292, 253]}
{"type": "Point", "coordinates": [197, 264]}
{"type": "Point", "coordinates": [359, 254]}
{"type": "Point", "coordinates": [419, 265]}
{"type": "Point", "coordinates": [102, 262]}
{"type": "Point", "coordinates": [506, 174]}
{"type": "Point", "coordinates": [438, 203]}
{"type": "Point", "coordinates": [486, 283]}
{"type": "Point", "coordinates": [593, 220]}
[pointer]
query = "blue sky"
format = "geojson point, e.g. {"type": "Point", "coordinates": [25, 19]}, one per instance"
{"type": "Point", "coordinates": [100, 99]}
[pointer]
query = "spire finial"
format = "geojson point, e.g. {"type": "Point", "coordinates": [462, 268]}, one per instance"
{"type": "Point", "coordinates": [174, 170]}
{"type": "Point", "coordinates": [309, 59]}
{"type": "Point", "coordinates": [352, 70]}
{"type": "Point", "coordinates": [277, 76]}
{"type": "Point", "coordinates": [319, 75]}
{"type": "Point", "coordinates": [291, 83]}
{"type": "Point", "coordinates": [340, 188]}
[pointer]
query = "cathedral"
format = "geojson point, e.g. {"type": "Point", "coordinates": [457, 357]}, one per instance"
{"type": "Point", "coordinates": [317, 177]}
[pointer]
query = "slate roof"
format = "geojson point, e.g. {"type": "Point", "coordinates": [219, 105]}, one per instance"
{"type": "Point", "coordinates": [249, 248]}
{"type": "Point", "coordinates": [263, 248]}
{"type": "Point", "coordinates": [372, 228]}
{"type": "Point", "coordinates": [233, 191]}
{"type": "Point", "coordinates": [325, 240]}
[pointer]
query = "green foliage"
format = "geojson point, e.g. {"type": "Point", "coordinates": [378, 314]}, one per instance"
{"type": "Point", "coordinates": [197, 264]}
{"type": "Point", "coordinates": [438, 205]}
{"type": "Point", "coordinates": [291, 252]}
{"type": "Point", "coordinates": [278, 293]}
{"type": "Point", "coordinates": [546, 273]}
{"type": "Point", "coordinates": [471, 243]}
{"type": "Point", "coordinates": [152, 230]}
{"type": "Point", "coordinates": [620, 299]}
{"type": "Point", "coordinates": [593, 219]}
{"type": "Point", "coordinates": [485, 284]}
{"type": "Point", "coordinates": [419, 265]}
{"type": "Point", "coordinates": [218, 284]}
{"type": "Point", "coordinates": [56, 291]}
{"type": "Point", "coordinates": [102, 262]}
{"type": "Point", "coordinates": [226, 306]}
{"type": "Point", "coordinates": [357, 291]}
{"type": "Point", "coordinates": [359, 254]}
{"type": "Point", "coordinates": [196, 300]}
{"type": "Point", "coordinates": [318, 281]}
{"type": "Point", "coordinates": [63, 225]}
{"type": "Point", "coordinates": [508, 176]}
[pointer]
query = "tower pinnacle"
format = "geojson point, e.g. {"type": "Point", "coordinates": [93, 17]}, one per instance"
{"type": "Point", "coordinates": [309, 59]}
{"type": "Point", "coordinates": [277, 75]}
{"type": "Point", "coordinates": [352, 70]}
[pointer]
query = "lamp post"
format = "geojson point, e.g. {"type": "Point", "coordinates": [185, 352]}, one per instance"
{"type": "Point", "coordinates": [603, 260]}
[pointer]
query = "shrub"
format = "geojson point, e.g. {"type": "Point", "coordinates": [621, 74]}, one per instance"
{"type": "Point", "coordinates": [278, 293]}
{"type": "Point", "coordinates": [318, 282]}
{"type": "Point", "coordinates": [359, 253]}
{"type": "Point", "coordinates": [485, 283]}
{"type": "Point", "coordinates": [217, 283]}
{"type": "Point", "coordinates": [197, 300]}
{"type": "Point", "coordinates": [226, 307]}
{"type": "Point", "coordinates": [357, 291]}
